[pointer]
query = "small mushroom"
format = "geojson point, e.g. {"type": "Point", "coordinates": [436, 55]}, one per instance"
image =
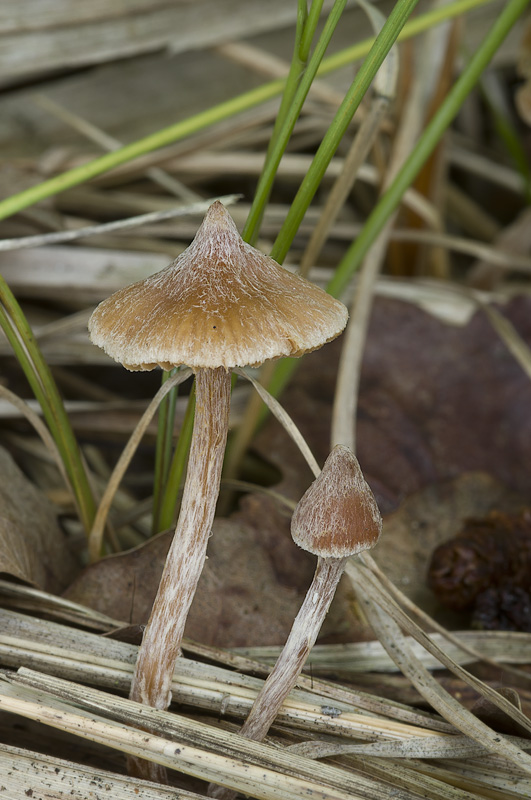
{"type": "Point", "coordinates": [336, 518]}
{"type": "Point", "coordinates": [220, 304]}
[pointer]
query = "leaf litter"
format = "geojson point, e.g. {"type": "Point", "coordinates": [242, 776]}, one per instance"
{"type": "Point", "coordinates": [436, 422]}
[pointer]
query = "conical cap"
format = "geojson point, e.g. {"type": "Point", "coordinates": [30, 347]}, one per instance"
{"type": "Point", "coordinates": [338, 515]}
{"type": "Point", "coordinates": [221, 303]}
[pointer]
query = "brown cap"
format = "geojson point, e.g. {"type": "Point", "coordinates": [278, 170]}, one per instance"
{"type": "Point", "coordinates": [221, 303]}
{"type": "Point", "coordinates": [338, 515]}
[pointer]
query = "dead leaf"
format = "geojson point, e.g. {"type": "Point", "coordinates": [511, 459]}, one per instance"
{"type": "Point", "coordinates": [250, 591]}
{"type": "Point", "coordinates": [436, 400]}
{"type": "Point", "coordinates": [33, 548]}
{"type": "Point", "coordinates": [234, 604]}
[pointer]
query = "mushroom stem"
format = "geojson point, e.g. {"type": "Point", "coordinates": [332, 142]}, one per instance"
{"type": "Point", "coordinates": [291, 660]}
{"type": "Point", "coordinates": [301, 639]}
{"type": "Point", "coordinates": [161, 644]}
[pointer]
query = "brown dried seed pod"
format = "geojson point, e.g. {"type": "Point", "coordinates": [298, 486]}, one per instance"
{"type": "Point", "coordinates": [488, 552]}
{"type": "Point", "coordinates": [503, 608]}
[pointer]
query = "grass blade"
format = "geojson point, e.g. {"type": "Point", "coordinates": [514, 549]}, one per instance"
{"type": "Point", "coordinates": [40, 378]}
{"type": "Point", "coordinates": [379, 50]}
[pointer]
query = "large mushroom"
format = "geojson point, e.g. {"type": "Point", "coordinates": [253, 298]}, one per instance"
{"type": "Point", "coordinates": [220, 304]}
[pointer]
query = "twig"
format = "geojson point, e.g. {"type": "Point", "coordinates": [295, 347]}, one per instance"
{"type": "Point", "coordinates": [109, 143]}
{"type": "Point", "coordinates": [130, 222]}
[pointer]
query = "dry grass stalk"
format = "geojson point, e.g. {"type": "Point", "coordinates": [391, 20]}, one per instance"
{"type": "Point", "coordinates": [359, 657]}
{"type": "Point", "coordinates": [347, 384]}
{"type": "Point", "coordinates": [393, 640]}
{"type": "Point", "coordinates": [31, 774]}
{"type": "Point", "coordinates": [502, 781]}
{"type": "Point", "coordinates": [81, 656]}
{"type": "Point", "coordinates": [27, 598]}
{"type": "Point", "coordinates": [59, 695]}
{"type": "Point", "coordinates": [62, 36]}
{"type": "Point", "coordinates": [265, 63]}
{"type": "Point", "coordinates": [207, 688]}
{"type": "Point", "coordinates": [96, 534]}
{"type": "Point", "coordinates": [264, 772]}
{"type": "Point", "coordinates": [131, 222]}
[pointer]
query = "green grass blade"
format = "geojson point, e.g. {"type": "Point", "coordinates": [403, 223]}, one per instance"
{"type": "Point", "coordinates": [178, 466]}
{"type": "Point", "coordinates": [297, 85]}
{"type": "Point", "coordinates": [163, 448]}
{"type": "Point", "coordinates": [382, 44]}
{"type": "Point", "coordinates": [43, 385]}
{"type": "Point", "coordinates": [29, 354]}
{"type": "Point", "coordinates": [312, 180]}
{"type": "Point", "coordinates": [296, 67]}
{"type": "Point", "coordinates": [428, 141]}
{"type": "Point", "coordinates": [302, 75]}
{"type": "Point", "coordinates": [308, 31]}
{"type": "Point", "coordinates": [413, 27]}
{"type": "Point", "coordinates": [129, 152]}
{"type": "Point", "coordinates": [304, 33]}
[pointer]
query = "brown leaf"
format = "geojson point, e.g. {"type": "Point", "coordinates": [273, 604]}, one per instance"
{"type": "Point", "coordinates": [436, 400]}
{"type": "Point", "coordinates": [250, 591]}
{"type": "Point", "coordinates": [33, 548]}
{"type": "Point", "coordinates": [240, 599]}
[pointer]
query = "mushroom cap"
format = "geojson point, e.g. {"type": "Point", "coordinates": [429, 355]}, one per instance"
{"type": "Point", "coordinates": [338, 515]}
{"type": "Point", "coordinates": [221, 303]}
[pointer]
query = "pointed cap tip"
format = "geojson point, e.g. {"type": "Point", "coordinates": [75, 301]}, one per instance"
{"type": "Point", "coordinates": [218, 216]}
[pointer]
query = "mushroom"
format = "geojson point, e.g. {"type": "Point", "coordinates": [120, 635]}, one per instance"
{"type": "Point", "coordinates": [336, 518]}
{"type": "Point", "coordinates": [220, 304]}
